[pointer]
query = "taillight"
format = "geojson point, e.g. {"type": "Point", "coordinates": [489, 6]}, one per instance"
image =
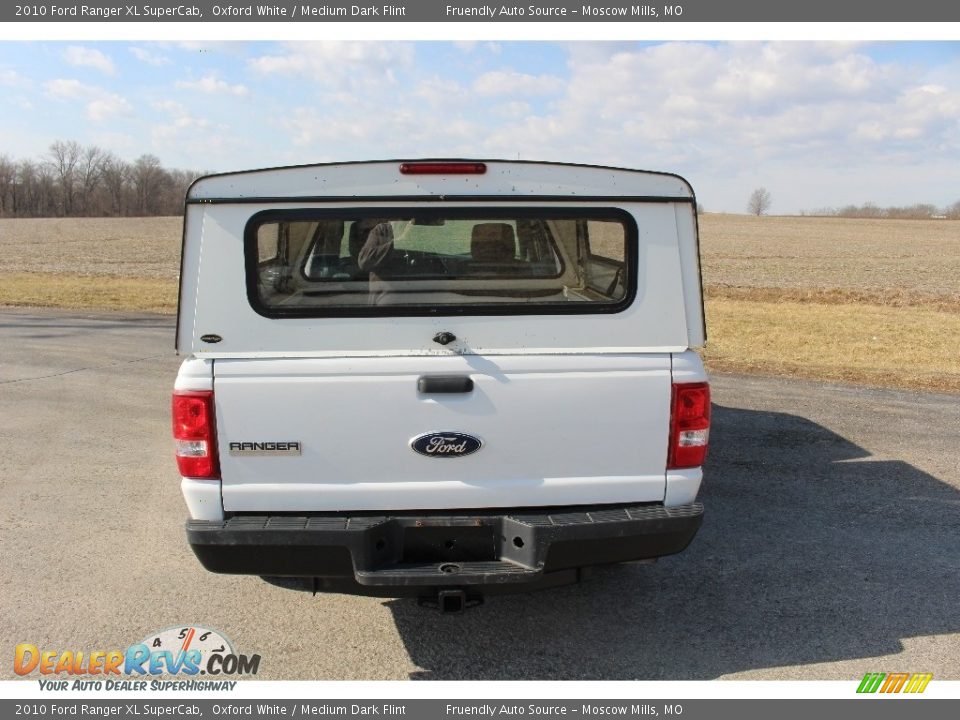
{"type": "Point", "coordinates": [194, 430]}
{"type": "Point", "coordinates": [689, 425]}
{"type": "Point", "coordinates": [443, 168]}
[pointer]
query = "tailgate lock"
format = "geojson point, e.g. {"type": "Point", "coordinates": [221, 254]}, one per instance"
{"type": "Point", "coordinates": [444, 338]}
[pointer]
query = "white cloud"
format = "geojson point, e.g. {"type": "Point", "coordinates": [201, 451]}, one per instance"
{"type": "Point", "coordinates": [511, 82]}
{"type": "Point", "coordinates": [100, 104]}
{"type": "Point", "coordinates": [88, 57]}
{"type": "Point", "coordinates": [118, 142]}
{"type": "Point", "coordinates": [150, 58]}
{"type": "Point", "coordinates": [749, 101]}
{"type": "Point", "coordinates": [170, 107]}
{"type": "Point", "coordinates": [214, 85]}
{"type": "Point", "coordinates": [805, 119]}
{"type": "Point", "coordinates": [194, 140]}
{"type": "Point", "coordinates": [64, 89]}
{"type": "Point", "coordinates": [107, 107]}
{"type": "Point", "coordinates": [361, 128]}
{"type": "Point", "coordinates": [440, 92]}
{"type": "Point", "coordinates": [180, 124]}
{"type": "Point", "coordinates": [346, 64]}
{"type": "Point", "coordinates": [11, 78]}
{"type": "Point", "coordinates": [723, 113]}
{"type": "Point", "coordinates": [471, 46]}
{"type": "Point", "coordinates": [206, 45]}
{"type": "Point", "coordinates": [513, 109]}
{"type": "Point", "coordinates": [182, 127]}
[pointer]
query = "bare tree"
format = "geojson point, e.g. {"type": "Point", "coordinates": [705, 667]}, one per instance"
{"type": "Point", "coordinates": [180, 181]}
{"type": "Point", "coordinates": [116, 178]}
{"type": "Point", "coordinates": [64, 157]}
{"type": "Point", "coordinates": [90, 173]}
{"type": "Point", "coordinates": [73, 179]}
{"type": "Point", "coordinates": [23, 189]}
{"type": "Point", "coordinates": [8, 176]}
{"type": "Point", "coordinates": [36, 189]}
{"type": "Point", "coordinates": [867, 210]}
{"type": "Point", "coordinates": [759, 201]}
{"type": "Point", "coordinates": [148, 179]}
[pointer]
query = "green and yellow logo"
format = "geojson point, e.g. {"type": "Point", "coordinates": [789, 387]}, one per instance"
{"type": "Point", "coordinates": [894, 682]}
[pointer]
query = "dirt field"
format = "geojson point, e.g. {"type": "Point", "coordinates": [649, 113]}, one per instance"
{"type": "Point", "coordinates": [906, 257]}
{"type": "Point", "coordinates": [873, 301]}
{"type": "Point", "coordinates": [126, 247]}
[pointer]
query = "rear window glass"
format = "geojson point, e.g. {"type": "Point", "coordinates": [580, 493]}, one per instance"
{"type": "Point", "coordinates": [439, 261]}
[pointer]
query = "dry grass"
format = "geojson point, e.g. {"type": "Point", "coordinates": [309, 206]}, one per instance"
{"type": "Point", "coordinates": [84, 292]}
{"type": "Point", "coordinates": [892, 298]}
{"type": "Point", "coordinates": [874, 344]}
{"type": "Point", "coordinates": [872, 301]}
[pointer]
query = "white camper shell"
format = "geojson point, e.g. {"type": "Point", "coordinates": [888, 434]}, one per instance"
{"type": "Point", "coordinates": [426, 377]}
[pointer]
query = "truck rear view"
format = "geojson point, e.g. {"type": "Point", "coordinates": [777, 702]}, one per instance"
{"type": "Point", "coordinates": [441, 379]}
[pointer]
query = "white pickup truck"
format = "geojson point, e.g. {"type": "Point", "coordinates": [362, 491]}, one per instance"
{"type": "Point", "coordinates": [440, 379]}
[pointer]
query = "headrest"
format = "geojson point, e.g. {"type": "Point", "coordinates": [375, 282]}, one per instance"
{"type": "Point", "coordinates": [359, 231]}
{"type": "Point", "coordinates": [493, 242]}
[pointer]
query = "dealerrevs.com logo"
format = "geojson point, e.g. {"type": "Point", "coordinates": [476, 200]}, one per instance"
{"type": "Point", "coordinates": [184, 652]}
{"type": "Point", "coordinates": [894, 682]}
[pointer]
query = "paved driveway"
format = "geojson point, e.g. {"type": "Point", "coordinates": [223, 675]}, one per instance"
{"type": "Point", "coordinates": [831, 545]}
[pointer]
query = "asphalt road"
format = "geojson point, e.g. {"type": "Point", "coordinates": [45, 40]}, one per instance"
{"type": "Point", "coordinates": [831, 545]}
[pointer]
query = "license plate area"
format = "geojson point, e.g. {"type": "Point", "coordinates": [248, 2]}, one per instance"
{"type": "Point", "coordinates": [451, 543]}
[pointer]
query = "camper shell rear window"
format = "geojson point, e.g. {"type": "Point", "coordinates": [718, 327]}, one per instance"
{"type": "Point", "coordinates": [440, 261]}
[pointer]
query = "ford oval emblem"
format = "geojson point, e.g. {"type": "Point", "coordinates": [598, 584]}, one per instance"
{"type": "Point", "coordinates": [445, 444]}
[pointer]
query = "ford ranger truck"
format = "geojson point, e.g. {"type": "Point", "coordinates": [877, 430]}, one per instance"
{"type": "Point", "coordinates": [439, 378]}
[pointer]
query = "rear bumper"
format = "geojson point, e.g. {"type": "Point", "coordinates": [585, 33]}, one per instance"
{"type": "Point", "coordinates": [417, 554]}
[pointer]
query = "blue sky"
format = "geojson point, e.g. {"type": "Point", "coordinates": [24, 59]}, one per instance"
{"type": "Point", "coordinates": [818, 124]}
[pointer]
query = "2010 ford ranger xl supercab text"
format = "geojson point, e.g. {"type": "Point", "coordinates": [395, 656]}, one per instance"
{"type": "Point", "coordinates": [440, 379]}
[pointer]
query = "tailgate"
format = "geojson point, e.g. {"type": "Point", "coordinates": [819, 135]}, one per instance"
{"type": "Point", "coordinates": [336, 434]}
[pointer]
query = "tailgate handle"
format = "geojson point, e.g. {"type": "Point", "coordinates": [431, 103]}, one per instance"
{"type": "Point", "coordinates": [445, 384]}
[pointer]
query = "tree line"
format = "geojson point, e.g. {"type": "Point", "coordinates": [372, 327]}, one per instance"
{"type": "Point", "coordinates": [919, 211]}
{"type": "Point", "coordinates": [74, 180]}
{"type": "Point", "coordinates": [760, 200]}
